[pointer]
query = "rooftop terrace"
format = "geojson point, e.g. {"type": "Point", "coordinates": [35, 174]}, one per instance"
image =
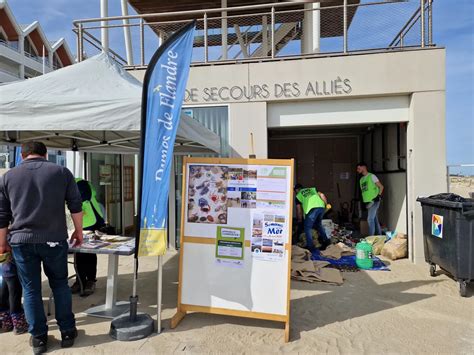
{"type": "Point", "coordinates": [263, 31]}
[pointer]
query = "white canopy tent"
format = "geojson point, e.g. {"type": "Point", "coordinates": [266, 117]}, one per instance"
{"type": "Point", "coordinates": [92, 106]}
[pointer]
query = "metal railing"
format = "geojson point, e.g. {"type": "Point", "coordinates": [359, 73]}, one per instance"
{"type": "Point", "coordinates": [37, 58]}
{"type": "Point", "coordinates": [268, 31]}
{"type": "Point", "coordinates": [10, 45]}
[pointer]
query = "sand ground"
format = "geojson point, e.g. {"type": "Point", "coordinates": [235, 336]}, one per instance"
{"type": "Point", "coordinates": [399, 311]}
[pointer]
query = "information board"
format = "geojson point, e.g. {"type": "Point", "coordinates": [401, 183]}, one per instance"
{"type": "Point", "coordinates": [236, 238]}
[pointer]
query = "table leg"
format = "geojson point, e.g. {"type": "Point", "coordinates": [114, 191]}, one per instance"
{"type": "Point", "coordinates": [112, 274]}
{"type": "Point", "coordinates": [111, 308]}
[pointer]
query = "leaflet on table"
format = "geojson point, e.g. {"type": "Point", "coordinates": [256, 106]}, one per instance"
{"type": "Point", "coordinates": [268, 236]}
{"type": "Point", "coordinates": [230, 245]}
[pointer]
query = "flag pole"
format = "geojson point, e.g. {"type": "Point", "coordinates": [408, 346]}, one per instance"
{"type": "Point", "coordinates": [160, 293]}
{"type": "Point", "coordinates": [151, 218]}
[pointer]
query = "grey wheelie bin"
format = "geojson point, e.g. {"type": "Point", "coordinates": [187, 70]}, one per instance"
{"type": "Point", "coordinates": [448, 236]}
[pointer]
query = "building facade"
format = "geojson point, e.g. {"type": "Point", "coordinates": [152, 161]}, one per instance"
{"type": "Point", "coordinates": [25, 51]}
{"type": "Point", "coordinates": [327, 83]}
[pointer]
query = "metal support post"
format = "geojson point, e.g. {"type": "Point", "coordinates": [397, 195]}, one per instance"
{"type": "Point", "coordinates": [422, 20]}
{"type": "Point", "coordinates": [160, 292]}
{"type": "Point", "coordinates": [430, 22]}
{"type": "Point", "coordinates": [206, 52]}
{"type": "Point", "coordinates": [80, 43]}
{"type": "Point", "coordinates": [224, 30]}
{"type": "Point", "coordinates": [142, 42]}
{"type": "Point", "coordinates": [272, 26]}
{"type": "Point", "coordinates": [345, 26]}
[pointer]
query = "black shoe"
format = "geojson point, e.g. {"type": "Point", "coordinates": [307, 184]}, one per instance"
{"type": "Point", "coordinates": [89, 289]}
{"type": "Point", "coordinates": [67, 338]}
{"type": "Point", "coordinates": [39, 344]}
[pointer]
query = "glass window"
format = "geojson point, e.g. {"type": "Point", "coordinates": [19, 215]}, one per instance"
{"type": "Point", "coordinates": [104, 170]}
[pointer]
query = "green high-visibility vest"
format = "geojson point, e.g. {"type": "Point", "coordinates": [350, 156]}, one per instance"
{"type": "Point", "coordinates": [368, 188]}
{"type": "Point", "coordinates": [88, 217]}
{"type": "Point", "coordinates": [310, 199]}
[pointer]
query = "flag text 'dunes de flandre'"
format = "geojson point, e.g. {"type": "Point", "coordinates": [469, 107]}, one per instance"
{"type": "Point", "coordinates": [163, 92]}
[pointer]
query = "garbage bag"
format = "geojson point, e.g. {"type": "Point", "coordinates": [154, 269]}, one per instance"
{"type": "Point", "coordinates": [377, 242]}
{"type": "Point", "coordinates": [449, 197]}
{"type": "Point", "coordinates": [396, 248]}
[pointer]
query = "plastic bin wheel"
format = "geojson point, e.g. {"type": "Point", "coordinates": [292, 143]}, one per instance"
{"type": "Point", "coordinates": [432, 270]}
{"type": "Point", "coordinates": [463, 288]}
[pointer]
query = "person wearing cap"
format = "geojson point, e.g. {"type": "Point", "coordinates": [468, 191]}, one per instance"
{"type": "Point", "coordinates": [311, 204]}
{"type": "Point", "coordinates": [372, 190]}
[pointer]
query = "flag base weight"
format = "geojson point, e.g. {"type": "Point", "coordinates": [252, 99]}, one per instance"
{"type": "Point", "coordinates": [123, 328]}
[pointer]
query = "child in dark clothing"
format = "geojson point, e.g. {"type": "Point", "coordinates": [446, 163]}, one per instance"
{"type": "Point", "coordinates": [12, 316]}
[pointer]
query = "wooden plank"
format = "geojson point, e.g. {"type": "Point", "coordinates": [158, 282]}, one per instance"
{"type": "Point", "coordinates": [234, 313]}
{"type": "Point", "coordinates": [237, 161]}
{"type": "Point", "coordinates": [181, 237]}
{"type": "Point", "coordinates": [290, 230]}
{"type": "Point", "coordinates": [177, 318]}
{"type": "Point", "coordinates": [212, 241]}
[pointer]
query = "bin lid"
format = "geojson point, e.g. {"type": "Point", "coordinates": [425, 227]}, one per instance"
{"type": "Point", "coordinates": [448, 201]}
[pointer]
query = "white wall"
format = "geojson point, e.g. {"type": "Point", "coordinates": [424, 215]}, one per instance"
{"type": "Point", "coordinates": [338, 112]}
{"type": "Point", "coordinates": [426, 156]}
{"type": "Point", "coordinates": [246, 118]}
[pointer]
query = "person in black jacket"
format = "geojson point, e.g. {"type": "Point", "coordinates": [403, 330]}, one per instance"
{"type": "Point", "coordinates": [93, 219]}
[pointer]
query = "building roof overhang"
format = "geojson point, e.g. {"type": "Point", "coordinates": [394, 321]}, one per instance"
{"type": "Point", "coordinates": [331, 18]}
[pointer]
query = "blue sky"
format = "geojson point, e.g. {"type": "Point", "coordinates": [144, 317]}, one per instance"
{"type": "Point", "coordinates": [453, 28]}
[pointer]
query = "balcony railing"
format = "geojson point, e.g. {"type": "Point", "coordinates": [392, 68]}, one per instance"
{"type": "Point", "coordinates": [280, 30]}
{"type": "Point", "coordinates": [11, 45]}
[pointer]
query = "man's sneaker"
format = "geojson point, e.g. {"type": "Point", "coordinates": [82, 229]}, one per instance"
{"type": "Point", "coordinates": [67, 338]}
{"type": "Point", "coordinates": [39, 344]}
{"type": "Point", "coordinates": [75, 288]}
{"type": "Point", "coordinates": [89, 288]}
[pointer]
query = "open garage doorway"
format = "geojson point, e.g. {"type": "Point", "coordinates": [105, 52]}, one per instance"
{"type": "Point", "coordinates": [326, 158]}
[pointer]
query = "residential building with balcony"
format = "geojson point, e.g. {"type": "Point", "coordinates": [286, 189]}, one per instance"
{"type": "Point", "coordinates": [25, 51]}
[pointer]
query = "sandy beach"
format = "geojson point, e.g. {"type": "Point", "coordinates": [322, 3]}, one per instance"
{"type": "Point", "coordinates": [399, 311]}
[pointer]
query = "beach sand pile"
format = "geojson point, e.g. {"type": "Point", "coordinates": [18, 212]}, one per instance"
{"type": "Point", "coordinates": [399, 311]}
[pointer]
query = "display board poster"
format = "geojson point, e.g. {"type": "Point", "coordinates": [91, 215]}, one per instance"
{"type": "Point", "coordinates": [235, 236]}
{"type": "Point", "coordinates": [240, 199]}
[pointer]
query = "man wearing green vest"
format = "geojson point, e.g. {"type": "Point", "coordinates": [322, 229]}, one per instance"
{"type": "Point", "coordinates": [93, 219]}
{"type": "Point", "coordinates": [372, 190]}
{"type": "Point", "coordinates": [311, 204]}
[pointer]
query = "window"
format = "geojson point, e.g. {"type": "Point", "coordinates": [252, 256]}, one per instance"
{"type": "Point", "coordinates": [56, 61]}
{"type": "Point", "coordinates": [30, 48]}
{"type": "Point", "coordinates": [128, 183]}
{"type": "Point", "coordinates": [115, 197]}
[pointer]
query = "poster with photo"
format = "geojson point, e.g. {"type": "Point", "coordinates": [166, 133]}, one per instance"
{"type": "Point", "coordinates": [268, 236]}
{"type": "Point", "coordinates": [207, 194]}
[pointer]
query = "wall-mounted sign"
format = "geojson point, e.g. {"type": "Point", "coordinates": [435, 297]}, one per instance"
{"type": "Point", "coordinates": [285, 90]}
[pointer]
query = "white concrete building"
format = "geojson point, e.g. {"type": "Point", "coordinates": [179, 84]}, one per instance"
{"type": "Point", "coordinates": [328, 83]}
{"type": "Point", "coordinates": [25, 52]}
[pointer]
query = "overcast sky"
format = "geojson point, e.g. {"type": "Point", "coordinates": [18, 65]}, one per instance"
{"type": "Point", "coordinates": [453, 29]}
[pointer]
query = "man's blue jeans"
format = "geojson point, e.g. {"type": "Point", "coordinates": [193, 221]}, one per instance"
{"type": "Point", "coordinates": [28, 258]}
{"type": "Point", "coordinates": [372, 220]}
{"type": "Point", "coordinates": [314, 219]}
